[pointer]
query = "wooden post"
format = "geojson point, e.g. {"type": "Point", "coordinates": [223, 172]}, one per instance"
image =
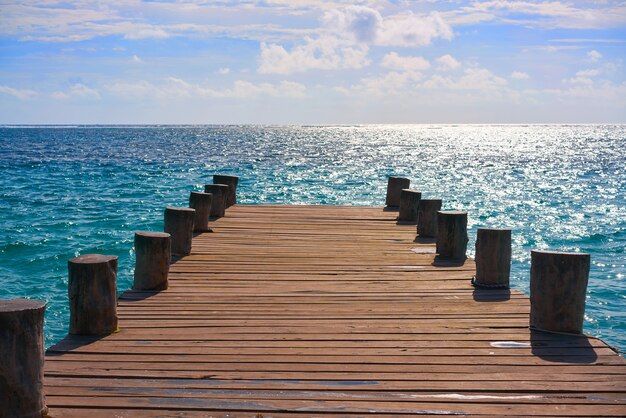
{"type": "Point", "coordinates": [179, 224]}
{"type": "Point", "coordinates": [427, 217]}
{"type": "Point", "coordinates": [493, 258]}
{"type": "Point", "coordinates": [202, 203]}
{"type": "Point", "coordinates": [394, 188]}
{"type": "Point", "coordinates": [558, 285]}
{"type": "Point", "coordinates": [409, 202]}
{"type": "Point", "coordinates": [219, 191]}
{"type": "Point", "coordinates": [232, 182]}
{"type": "Point", "coordinates": [452, 234]}
{"type": "Point", "coordinates": [21, 358]}
{"type": "Point", "coordinates": [92, 291]}
{"type": "Point", "coordinates": [153, 251]}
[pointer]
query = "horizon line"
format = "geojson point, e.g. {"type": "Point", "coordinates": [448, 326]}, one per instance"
{"type": "Point", "coordinates": [69, 125]}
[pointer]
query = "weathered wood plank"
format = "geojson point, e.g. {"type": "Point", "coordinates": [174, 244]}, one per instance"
{"type": "Point", "coordinates": [270, 405]}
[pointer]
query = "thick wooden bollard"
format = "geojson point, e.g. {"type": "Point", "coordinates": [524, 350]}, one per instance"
{"type": "Point", "coordinates": [92, 292]}
{"type": "Point", "coordinates": [394, 188]}
{"type": "Point", "coordinates": [232, 182]}
{"type": "Point", "coordinates": [493, 258]}
{"type": "Point", "coordinates": [409, 202]}
{"type": "Point", "coordinates": [202, 203]}
{"type": "Point", "coordinates": [452, 234]}
{"type": "Point", "coordinates": [153, 251]}
{"type": "Point", "coordinates": [179, 224]}
{"type": "Point", "coordinates": [558, 285]}
{"type": "Point", "coordinates": [427, 217]}
{"type": "Point", "coordinates": [21, 358]}
{"type": "Point", "coordinates": [219, 192]}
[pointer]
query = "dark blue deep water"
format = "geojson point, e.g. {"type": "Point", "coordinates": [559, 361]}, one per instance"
{"type": "Point", "coordinates": [66, 191]}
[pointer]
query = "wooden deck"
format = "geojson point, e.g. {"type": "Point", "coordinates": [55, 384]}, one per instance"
{"type": "Point", "coordinates": [310, 311]}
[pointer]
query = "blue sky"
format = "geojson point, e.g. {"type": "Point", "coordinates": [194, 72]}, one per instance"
{"type": "Point", "coordinates": [312, 61]}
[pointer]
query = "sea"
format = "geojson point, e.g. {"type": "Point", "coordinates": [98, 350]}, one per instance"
{"type": "Point", "coordinates": [71, 190]}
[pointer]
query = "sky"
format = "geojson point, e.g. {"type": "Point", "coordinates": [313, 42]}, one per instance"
{"type": "Point", "coordinates": [312, 62]}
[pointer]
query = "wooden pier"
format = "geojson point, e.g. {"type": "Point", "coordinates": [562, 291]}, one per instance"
{"type": "Point", "coordinates": [326, 310]}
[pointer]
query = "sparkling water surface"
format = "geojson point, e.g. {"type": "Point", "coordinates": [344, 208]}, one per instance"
{"type": "Point", "coordinates": [66, 191]}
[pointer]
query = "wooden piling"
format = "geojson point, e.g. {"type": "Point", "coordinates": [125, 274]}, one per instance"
{"type": "Point", "coordinates": [22, 358]}
{"type": "Point", "coordinates": [427, 217]}
{"type": "Point", "coordinates": [232, 182]}
{"type": "Point", "coordinates": [153, 251]}
{"type": "Point", "coordinates": [452, 234]}
{"type": "Point", "coordinates": [558, 285]}
{"type": "Point", "coordinates": [202, 203]}
{"type": "Point", "coordinates": [493, 258]}
{"type": "Point", "coordinates": [179, 224]}
{"type": "Point", "coordinates": [219, 192]}
{"type": "Point", "coordinates": [92, 291]}
{"type": "Point", "coordinates": [409, 202]}
{"type": "Point", "coordinates": [394, 188]}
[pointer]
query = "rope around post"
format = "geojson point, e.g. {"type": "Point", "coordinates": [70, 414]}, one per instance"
{"type": "Point", "coordinates": [476, 283]}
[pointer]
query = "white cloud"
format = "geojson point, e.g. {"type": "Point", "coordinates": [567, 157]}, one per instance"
{"type": "Point", "coordinates": [590, 40]}
{"type": "Point", "coordinates": [413, 30]}
{"type": "Point", "coordinates": [223, 71]}
{"type": "Point", "coordinates": [367, 25]}
{"type": "Point", "coordinates": [448, 62]}
{"type": "Point", "coordinates": [58, 38]}
{"type": "Point", "coordinates": [588, 73]}
{"type": "Point", "coordinates": [398, 62]}
{"type": "Point", "coordinates": [545, 14]}
{"type": "Point", "coordinates": [342, 90]}
{"type": "Point", "coordinates": [135, 89]}
{"type": "Point", "coordinates": [519, 75]}
{"type": "Point", "coordinates": [136, 59]}
{"type": "Point", "coordinates": [59, 95]}
{"type": "Point", "coordinates": [243, 89]}
{"type": "Point", "coordinates": [135, 32]}
{"type": "Point", "coordinates": [392, 83]}
{"type": "Point", "coordinates": [364, 20]}
{"type": "Point", "coordinates": [483, 88]}
{"type": "Point", "coordinates": [594, 56]}
{"type": "Point", "coordinates": [472, 79]}
{"type": "Point", "coordinates": [324, 53]}
{"type": "Point", "coordinates": [587, 90]}
{"type": "Point", "coordinates": [77, 21]}
{"type": "Point", "coordinates": [548, 8]}
{"type": "Point", "coordinates": [77, 90]}
{"type": "Point", "coordinates": [347, 34]}
{"type": "Point", "coordinates": [80, 90]}
{"type": "Point", "coordinates": [56, 21]}
{"type": "Point", "coordinates": [612, 67]}
{"type": "Point", "coordinates": [579, 80]}
{"type": "Point", "coordinates": [173, 87]}
{"type": "Point", "coordinates": [21, 94]}
{"type": "Point", "coordinates": [363, 23]}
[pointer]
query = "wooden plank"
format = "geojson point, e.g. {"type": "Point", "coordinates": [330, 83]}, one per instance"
{"type": "Point", "coordinates": [269, 405]}
{"type": "Point", "coordinates": [411, 397]}
{"type": "Point", "coordinates": [200, 354]}
{"type": "Point", "coordinates": [344, 386]}
{"type": "Point", "coordinates": [308, 343]}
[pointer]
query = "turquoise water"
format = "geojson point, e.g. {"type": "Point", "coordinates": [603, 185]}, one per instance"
{"type": "Point", "coordinates": [66, 191]}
